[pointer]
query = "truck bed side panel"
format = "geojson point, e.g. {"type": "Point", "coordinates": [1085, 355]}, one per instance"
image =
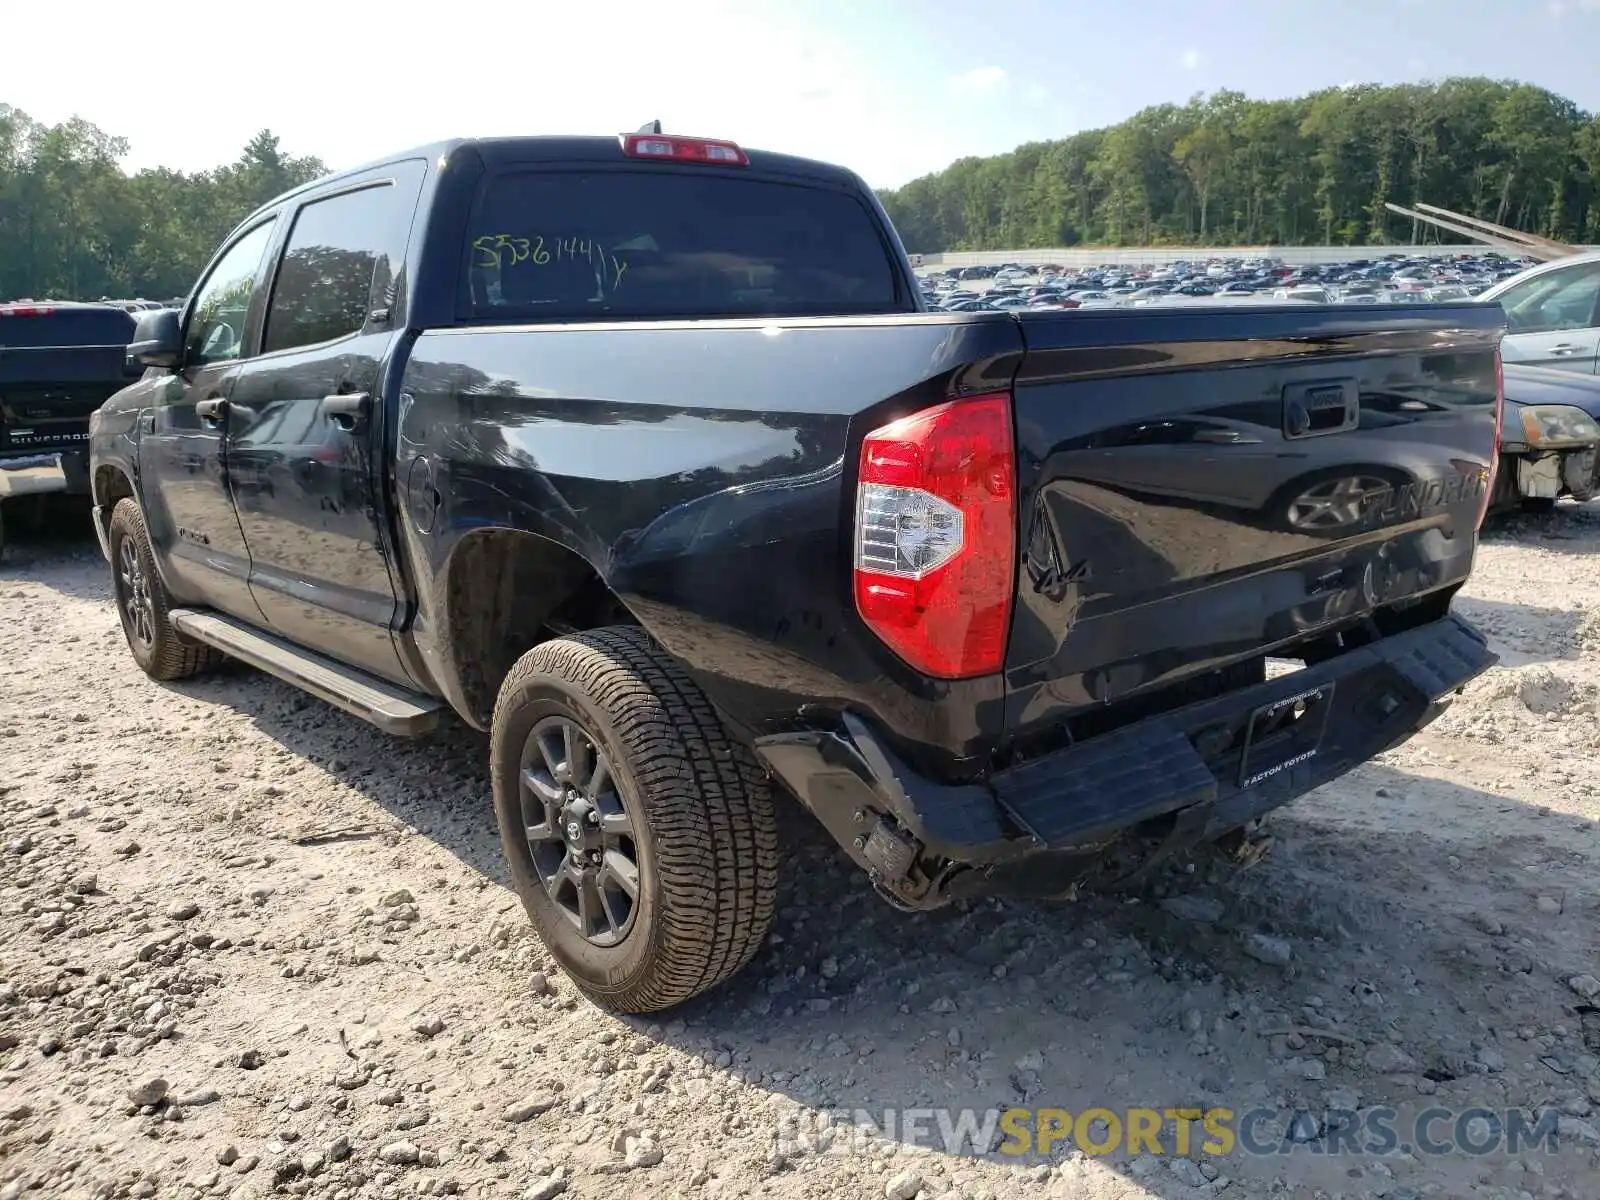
{"type": "Point", "coordinates": [706, 470]}
{"type": "Point", "coordinates": [1176, 518]}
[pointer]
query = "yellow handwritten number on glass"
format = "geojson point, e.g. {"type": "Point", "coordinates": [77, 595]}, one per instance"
{"type": "Point", "coordinates": [497, 249]}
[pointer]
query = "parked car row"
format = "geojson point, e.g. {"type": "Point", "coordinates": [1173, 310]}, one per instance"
{"type": "Point", "coordinates": [130, 306]}
{"type": "Point", "coordinates": [1390, 279]}
{"type": "Point", "coordinates": [1551, 425]}
{"type": "Point", "coordinates": [1553, 308]}
{"type": "Point", "coordinates": [142, 305]}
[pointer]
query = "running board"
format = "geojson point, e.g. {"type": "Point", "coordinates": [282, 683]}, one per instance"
{"type": "Point", "coordinates": [390, 707]}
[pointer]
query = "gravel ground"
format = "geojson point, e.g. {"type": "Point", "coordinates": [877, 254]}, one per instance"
{"type": "Point", "coordinates": [252, 946]}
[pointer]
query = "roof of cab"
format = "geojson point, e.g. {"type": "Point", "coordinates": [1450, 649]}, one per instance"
{"type": "Point", "coordinates": [500, 151]}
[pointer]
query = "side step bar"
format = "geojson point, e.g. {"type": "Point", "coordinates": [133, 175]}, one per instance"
{"type": "Point", "coordinates": [390, 707]}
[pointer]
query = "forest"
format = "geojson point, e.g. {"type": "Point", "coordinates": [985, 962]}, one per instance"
{"type": "Point", "coordinates": [1315, 170]}
{"type": "Point", "coordinates": [1220, 170]}
{"type": "Point", "coordinates": [74, 225]}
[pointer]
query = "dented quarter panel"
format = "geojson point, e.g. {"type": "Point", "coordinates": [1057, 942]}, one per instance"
{"type": "Point", "coordinates": [706, 471]}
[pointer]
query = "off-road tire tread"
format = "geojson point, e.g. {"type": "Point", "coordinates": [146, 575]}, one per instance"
{"type": "Point", "coordinates": [707, 804]}
{"type": "Point", "coordinates": [175, 657]}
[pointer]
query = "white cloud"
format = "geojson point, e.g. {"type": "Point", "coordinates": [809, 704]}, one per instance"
{"type": "Point", "coordinates": [980, 80]}
{"type": "Point", "coordinates": [1037, 93]}
{"type": "Point", "coordinates": [1190, 59]}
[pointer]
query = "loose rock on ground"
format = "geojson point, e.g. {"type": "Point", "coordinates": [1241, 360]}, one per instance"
{"type": "Point", "coordinates": [250, 946]}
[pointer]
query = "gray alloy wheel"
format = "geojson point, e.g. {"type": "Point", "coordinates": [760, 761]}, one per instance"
{"type": "Point", "coordinates": [580, 830]}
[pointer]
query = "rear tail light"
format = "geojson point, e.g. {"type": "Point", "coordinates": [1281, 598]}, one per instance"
{"type": "Point", "coordinates": [1494, 454]}
{"type": "Point", "coordinates": [26, 310]}
{"type": "Point", "coordinates": [935, 536]}
{"type": "Point", "coordinates": [683, 149]}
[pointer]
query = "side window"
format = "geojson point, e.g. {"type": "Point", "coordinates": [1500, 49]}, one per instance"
{"type": "Point", "coordinates": [216, 325]}
{"type": "Point", "coordinates": [338, 247]}
{"type": "Point", "coordinates": [1563, 299]}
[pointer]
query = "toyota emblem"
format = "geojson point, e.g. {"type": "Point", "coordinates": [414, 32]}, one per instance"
{"type": "Point", "coordinates": [574, 830]}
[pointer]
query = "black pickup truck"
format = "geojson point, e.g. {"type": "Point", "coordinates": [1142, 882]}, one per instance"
{"type": "Point", "coordinates": [641, 454]}
{"type": "Point", "coordinates": [58, 363]}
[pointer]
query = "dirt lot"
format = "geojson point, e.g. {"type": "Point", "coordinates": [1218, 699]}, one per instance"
{"type": "Point", "coordinates": [252, 946]}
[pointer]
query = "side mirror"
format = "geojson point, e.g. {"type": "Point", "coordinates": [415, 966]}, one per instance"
{"type": "Point", "coordinates": [157, 340]}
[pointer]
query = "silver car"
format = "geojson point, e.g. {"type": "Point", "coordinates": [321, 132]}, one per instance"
{"type": "Point", "coordinates": [1553, 314]}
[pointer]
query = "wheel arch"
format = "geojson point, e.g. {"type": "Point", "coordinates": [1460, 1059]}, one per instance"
{"type": "Point", "coordinates": [110, 484]}
{"type": "Point", "coordinates": [502, 592]}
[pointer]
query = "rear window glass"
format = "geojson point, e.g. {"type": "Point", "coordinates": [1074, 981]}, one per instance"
{"type": "Point", "coordinates": [606, 245]}
{"type": "Point", "coordinates": [66, 327]}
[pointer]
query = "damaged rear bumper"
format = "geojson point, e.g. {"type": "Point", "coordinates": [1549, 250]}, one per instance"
{"type": "Point", "coordinates": [1198, 771]}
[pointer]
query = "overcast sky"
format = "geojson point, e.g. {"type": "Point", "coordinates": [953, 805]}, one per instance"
{"type": "Point", "coordinates": [892, 88]}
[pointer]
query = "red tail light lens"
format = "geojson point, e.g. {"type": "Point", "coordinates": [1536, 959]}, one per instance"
{"type": "Point", "coordinates": [1494, 455]}
{"type": "Point", "coordinates": [935, 536]}
{"type": "Point", "coordinates": [683, 149]}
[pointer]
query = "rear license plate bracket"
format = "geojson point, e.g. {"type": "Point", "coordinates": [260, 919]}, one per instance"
{"type": "Point", "coordinates": [1283, 734]}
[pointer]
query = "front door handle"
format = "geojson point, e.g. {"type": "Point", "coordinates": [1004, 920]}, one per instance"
{"type": "Point", "coordinates": [1565, 348]}
{"type": "Point", "coordinates": [211, 410]}
{"type": "Point", "coordinates": [346, 409]}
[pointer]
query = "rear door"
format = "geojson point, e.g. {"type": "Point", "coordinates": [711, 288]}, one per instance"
{"type": "Point", "coordinates": [183, 473]}
{"type": "Point", "coordinates": [305, 450]}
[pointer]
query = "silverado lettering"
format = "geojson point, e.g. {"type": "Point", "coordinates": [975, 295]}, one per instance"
{"type": "Point", "coordinates": [26, 437]}
{"type": "Point", "coordinates": [758, 520]}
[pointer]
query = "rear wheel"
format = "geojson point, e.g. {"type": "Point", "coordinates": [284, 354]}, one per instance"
{"type": "Point", "coordinates": [143, 604]}
{"type": "Point", "coordinates": [641, 839]}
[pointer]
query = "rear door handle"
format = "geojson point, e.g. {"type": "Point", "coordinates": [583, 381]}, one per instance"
{"type": "Point", "coordinates": [346, 409]}
{"type": "Point", "coordinates": [211, 410]}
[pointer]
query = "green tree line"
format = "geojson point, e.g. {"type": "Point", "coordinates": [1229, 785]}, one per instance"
{"type": "Point", "coordinates": [1315, 170]}
{"type": "Point", "coordinates": [74, 225]}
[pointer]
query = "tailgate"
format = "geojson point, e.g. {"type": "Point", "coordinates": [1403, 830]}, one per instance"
{"type": "Point", "coordinates": [47, 394]}
{"type": "Point", "coordinates": [49, 418]}
{"type": "Point", "coordinates": [1197, 487]}
{"type": "Point", "coordinates": [52, 376]}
